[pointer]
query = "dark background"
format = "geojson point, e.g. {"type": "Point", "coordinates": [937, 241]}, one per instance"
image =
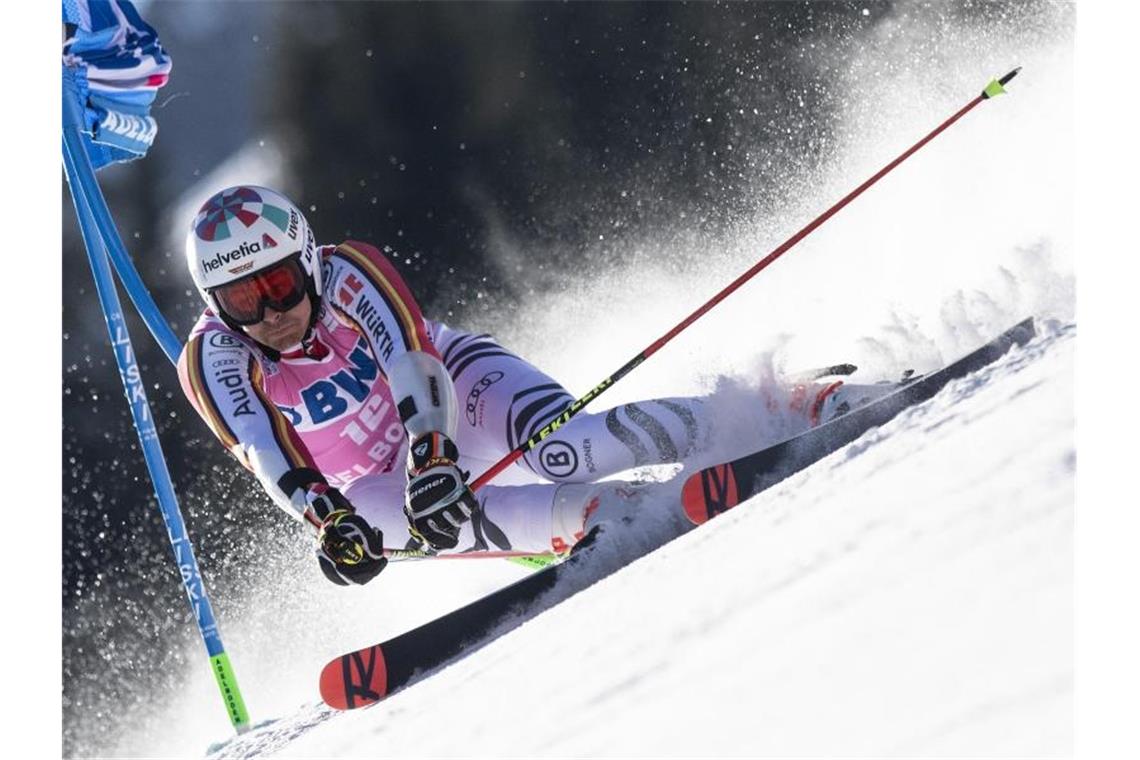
{"type": "Point", "coordinates": [437, 129]}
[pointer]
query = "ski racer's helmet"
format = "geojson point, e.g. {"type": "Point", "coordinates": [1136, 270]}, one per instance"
{"type": "Point", "coordinates": [243, 230]}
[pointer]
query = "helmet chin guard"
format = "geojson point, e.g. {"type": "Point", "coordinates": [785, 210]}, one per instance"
{"type": "Point", "coordinates": [242, 230]}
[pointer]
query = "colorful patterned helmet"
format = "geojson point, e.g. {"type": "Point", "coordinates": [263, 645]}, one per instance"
{"type": "Point", "coordinates": [242, 230]}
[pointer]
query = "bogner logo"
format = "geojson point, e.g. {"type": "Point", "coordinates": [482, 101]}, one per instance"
{"type": "Point", "coordinates": [245, 249]}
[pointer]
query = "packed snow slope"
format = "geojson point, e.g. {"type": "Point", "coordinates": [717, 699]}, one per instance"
{"type": "Point", "coordinates": [910, 595]}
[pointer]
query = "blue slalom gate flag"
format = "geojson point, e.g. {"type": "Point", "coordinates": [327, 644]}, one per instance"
{"type": "Point", "coordinates": [113, 65]}
{"type": "Point", "coordinates": [118, 64]}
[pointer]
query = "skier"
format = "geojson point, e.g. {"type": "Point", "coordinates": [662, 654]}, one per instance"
{"type": "Point", "coordinates": [315, 368]}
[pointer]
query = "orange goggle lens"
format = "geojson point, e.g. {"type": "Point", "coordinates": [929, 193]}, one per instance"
{"type": "Point", "coordinates": [280, 287]}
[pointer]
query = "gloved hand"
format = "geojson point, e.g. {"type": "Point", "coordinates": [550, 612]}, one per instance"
{"type": "Point", "coordinates": [350, 551]}
{"type": "Point", "coordinates": [437, 501]}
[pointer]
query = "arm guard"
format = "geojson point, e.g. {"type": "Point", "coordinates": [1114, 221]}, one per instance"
{"type": "Point", "coordinates": [368, 291]}
{"type": "Point", "coordinates": [424, 394]}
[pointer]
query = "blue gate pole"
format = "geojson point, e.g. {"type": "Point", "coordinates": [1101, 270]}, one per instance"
{"type": "Point", "coordinates": [80, 178]}
{"type": "Point", "coordinates": [129, 276]}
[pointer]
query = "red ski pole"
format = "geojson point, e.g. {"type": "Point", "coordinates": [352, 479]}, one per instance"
{"type": "Point", "coordinates": [993, 89]}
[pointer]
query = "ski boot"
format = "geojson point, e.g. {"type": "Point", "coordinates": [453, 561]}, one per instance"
{"type": "Point", "coordinates": [830, 400]}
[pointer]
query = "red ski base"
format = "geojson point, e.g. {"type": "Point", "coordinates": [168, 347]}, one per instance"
{"type": "Point", "coordinates": [709, 492]}
{"type": "Point", "coordinates": [356, 679]}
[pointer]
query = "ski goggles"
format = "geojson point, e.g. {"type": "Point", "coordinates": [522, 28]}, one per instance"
{"type": "Point", "coordinates": [280, 287]}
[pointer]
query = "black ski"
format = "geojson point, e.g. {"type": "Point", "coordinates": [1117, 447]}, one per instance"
{"type": "Point", "coordinates": [368, 675]}
{"type": "Point", "coordinates": [719, 488]}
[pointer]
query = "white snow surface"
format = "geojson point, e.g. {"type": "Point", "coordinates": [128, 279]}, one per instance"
{"type": "Point", "coordinates": [908, 596]}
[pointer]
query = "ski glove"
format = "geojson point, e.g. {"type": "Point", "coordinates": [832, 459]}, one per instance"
{"type": "Point", "coordinates": [350, 551]}
{"type": "Point", "coordinates": [438, 500]}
